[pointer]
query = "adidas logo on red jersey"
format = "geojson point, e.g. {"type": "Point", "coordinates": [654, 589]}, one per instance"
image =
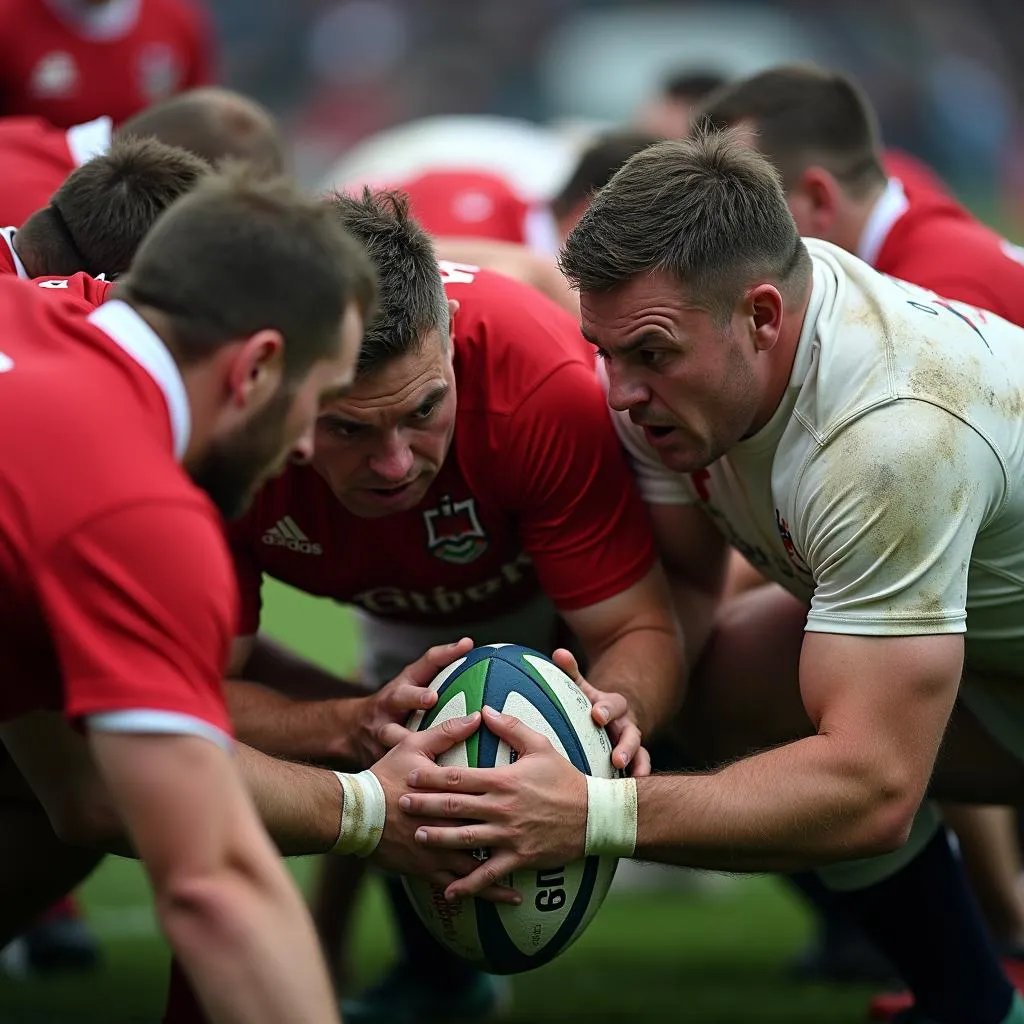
{"type": "Point", "coordinates": [285, 533]}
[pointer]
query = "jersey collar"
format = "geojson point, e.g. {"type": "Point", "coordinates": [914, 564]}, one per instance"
{"type": "Point", "coordinates": [7, 235]}
{"type": "Point", "coordinates": [890, 206]}
{"type": "Point", "coordinates": [135, 337]}
{"type": "Point", "coordinates": [92, 138]}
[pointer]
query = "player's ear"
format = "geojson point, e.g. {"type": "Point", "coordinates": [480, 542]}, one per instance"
{"type": "Point", "coordinates": [257, 367]}
{"type": "Point", "coordinates": [814, 202]}
{"type": "Point", "coordinates": [453, 308]}
{"type": "Point", "coordinates": [764, 305]}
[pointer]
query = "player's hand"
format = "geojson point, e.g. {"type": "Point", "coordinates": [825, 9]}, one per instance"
{"type": "Point", "coordinates": [399, 851]}
{"type": "Point", "coordinates": [393, 703]}
{"type": "Point", "coordinates": [532, 813]}
{"type": "Point", "coordinates": [612, 711]}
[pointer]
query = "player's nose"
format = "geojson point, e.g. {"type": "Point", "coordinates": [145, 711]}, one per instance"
{"type": "Point", "coordinates": [393, 462]}
{"type": "Point", "coordinates": [302, 449]}
{"type": "Point", "coordinates": [624, 393]}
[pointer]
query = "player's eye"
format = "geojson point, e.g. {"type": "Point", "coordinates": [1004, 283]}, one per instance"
{"type": "Point", "coordinates": [339, 428]}
{"type": "Point", "coordinates": [651, 358]}
{"type": "Point", "coordinates": [425, 411]}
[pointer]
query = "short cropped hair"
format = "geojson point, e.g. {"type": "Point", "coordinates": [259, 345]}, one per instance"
{"type": "Point", "coordinates": [99, 215]}
{"type": "Point", "coordinates": [216, 124]}
{"type": "Point", "coordinates": [691, 85]}
{"type": "Point", "coordinates": [707, 210]}
{"type": "Point", "coordinates": [804, 115]}
{"type": "Point", "coordinates": [411, 299]}
{"type": "Point", "coordinates": [597, 163]}
{"type": "Point", "coordinates": [242, 254]}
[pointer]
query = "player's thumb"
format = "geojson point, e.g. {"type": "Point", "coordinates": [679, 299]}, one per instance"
{"type": "Point", "coordinates": [443, 737]}
{"type": "Point", "coordinates": [566, 661]}
{"type": "Point", "coordinates": [422, 671]}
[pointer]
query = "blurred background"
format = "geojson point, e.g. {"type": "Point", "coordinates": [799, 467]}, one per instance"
{"type": "Point", "coordinates": [947, 76]}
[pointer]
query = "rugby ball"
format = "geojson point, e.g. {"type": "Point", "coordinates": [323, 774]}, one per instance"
{"type": "Point", "coordinates": [558, 903]}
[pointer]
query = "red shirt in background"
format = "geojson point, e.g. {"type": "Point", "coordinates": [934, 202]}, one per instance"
{"type": "Point", "coordinates": [69, 63]}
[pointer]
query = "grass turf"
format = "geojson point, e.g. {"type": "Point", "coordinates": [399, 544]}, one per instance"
{"type": "Point", "coordinates": [710, 956]}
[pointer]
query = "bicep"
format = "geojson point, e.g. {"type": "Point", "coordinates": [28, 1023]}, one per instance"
{"type": "Point", "coordinates": [644, 605]}
{"type": "Point", "coordinates": [884, 698]}
{"type": "Point", "coordinates": [242, 648]}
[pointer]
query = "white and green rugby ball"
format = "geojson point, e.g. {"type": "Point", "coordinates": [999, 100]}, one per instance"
{"type": "Point", "coordinates": [558, 903]}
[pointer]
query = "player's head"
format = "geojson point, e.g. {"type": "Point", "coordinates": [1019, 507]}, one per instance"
{"type": "Point", "coordinates": [668, 114]}
{"type": "Point", "coordinates": [260, 295]}
{"type": "Point", "coordinates": [690, 269]}
{"type": "Point", "coordinates": [216, 124]}
{"type": "Point", "coordinates": [821, 132]}
{"type": "Point", "coordinates": [594, 169]}
{"type": "Point", "coordinates": [95, 221]}
{"type": "Point", "coordinates": [380, 446]}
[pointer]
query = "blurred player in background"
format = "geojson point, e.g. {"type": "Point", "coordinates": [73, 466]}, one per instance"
{"type": "Point", "coordinates": [668, 113]}
{"type": "Point", "coordinates": [469, 483]}
{"type": "Point", "coordinates": [863, 439]}
{"type": "Point", "coordinates": [820, 131]}
{"type": "Point", "coordinates": [97, 218]}
{"type": "Point", "coordinates": [213, 123]}
{"type": "Point", "coordinates": [70, 61]}
{"type": "Point", "coordinates": [116, 587]}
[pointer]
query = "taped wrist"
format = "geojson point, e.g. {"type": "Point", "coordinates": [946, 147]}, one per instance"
{"type": "Point", "coordinates": [611, 817]}
{"type": "Point", "coordinates": [363, 811]}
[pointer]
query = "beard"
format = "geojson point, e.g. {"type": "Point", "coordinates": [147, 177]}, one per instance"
{"type": "Point", "coordinates": [234, 467]}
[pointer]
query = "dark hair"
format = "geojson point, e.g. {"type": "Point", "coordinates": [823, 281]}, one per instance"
{"type": "Point", "coordinates": [804, 115]}
{"type": "Point", "coordinates": [411, 300]}
{"type": "Point", "coordinates": [97, 218]}
{"type": "Point", "coordinates": [598, 162]}
{"type": "Point", "coordinates": [216, 124]}
{"type": "Point", "coordinates": [708, 210]}
{"type": "Point", "coordinates": [691, 85]}
{"type": "Point", "coordinates": [242, 254]}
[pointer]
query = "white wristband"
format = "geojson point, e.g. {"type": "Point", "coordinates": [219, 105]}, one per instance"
{"type": "Point", "coordinates": [611, 817]}
{"type": "Point", "coordinates": [362, 814]}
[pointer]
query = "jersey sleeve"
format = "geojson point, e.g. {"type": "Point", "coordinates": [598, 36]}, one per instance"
{"type": "Point", "coordinates": [581, 518]}
{"type": "Point", "coordinates": [658, 484]}
{"type": "Point", "coordinates": [248, 575]}
{"type": "Point", "coordinates": [886, 516]}
{"type": "Point", "coordinates": [141, 605]}
{"type": "Point", "coordinates": [93, 291]}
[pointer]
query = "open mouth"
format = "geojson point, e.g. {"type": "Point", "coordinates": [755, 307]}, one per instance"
{"type": "Point", "coordinates": [659, 431]}
{"type": "Point", "coordinates": [391, 492]}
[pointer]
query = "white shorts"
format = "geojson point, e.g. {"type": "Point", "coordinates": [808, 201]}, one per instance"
{"type": "Point", "coordinates": [388, 646]}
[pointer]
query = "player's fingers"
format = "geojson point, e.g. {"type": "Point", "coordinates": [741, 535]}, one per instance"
{"type": "Point", "coordinates": [391, 734]}
{"type": "Point", "coordinates": [493, 894]}
{"type": "Point", "coordinates": [456, 779]}
{"type": "Point", "coordinates": [446, 805]}
{"type": "Point", "coordinates": [440, 738]}
{"type": "Point", "coordinates": [641, 766]}
{"type": "Point", "coordinates": [489, 874]}
{"type": "Point", "coordinates": [406, 697]}
{"type": "Point", "coordinates": [521, 738]}
{"type": "Point", "coordinates": [608, 707]}
{"type": "Point", "coordinates": [627, 744]}
{"type": "Point", "coordinates": [461, 837]}
{"type": "Point", "coordinates": [566, 661]}
{"type": "Point", "coordinates": [421, 672]}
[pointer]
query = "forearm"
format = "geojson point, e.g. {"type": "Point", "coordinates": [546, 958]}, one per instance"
{"type": "Point", "coordinates": [273, 665]}
{"type": "Point", "coordinates": [645, 666]}
{"type": "Point", "coordinates": [245, 940]}
{"type": "Point", "coordinates": [794, 807]}
{"type": "Point", "coordinates": [271, 721]}
{"type": "Point", "coordinates": [300, 806]}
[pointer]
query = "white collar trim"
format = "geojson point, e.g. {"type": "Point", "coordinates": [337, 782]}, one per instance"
{"type": "Point", "coordinates": [132, 334]}
{"type": "Point", "coordinates": [891, 205]}
{"type": "Point", "coordinates": [89, 139]}
{"type": "Point", "coordinates": [7, 234]}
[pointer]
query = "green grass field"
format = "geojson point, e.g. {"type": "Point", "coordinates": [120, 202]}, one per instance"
{"type": "Point", "coordinates": [716, 955]}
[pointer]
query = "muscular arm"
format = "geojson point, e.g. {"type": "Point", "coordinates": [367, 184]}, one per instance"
{"type": "Point", "coordinates": [228, 907]}
{"type": "Point", "coordinates": [632, 646]}
{"type": "Point", "coordinates": [695, 556]}
{"type": "Point", "coordinates": [290, 707]}
{"type": "Point", "coordinates": [880, 705]}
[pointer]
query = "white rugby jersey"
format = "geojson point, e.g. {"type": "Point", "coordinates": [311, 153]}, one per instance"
{"type": "Point", "coordinates": [888, 488]}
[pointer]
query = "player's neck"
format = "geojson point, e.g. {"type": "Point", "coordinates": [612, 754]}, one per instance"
{"type": "Point", "coordinates": [853, 226]}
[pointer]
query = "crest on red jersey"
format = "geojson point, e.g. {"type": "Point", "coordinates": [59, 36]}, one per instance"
{"type": "Point", "coordinates": [454, 533]}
